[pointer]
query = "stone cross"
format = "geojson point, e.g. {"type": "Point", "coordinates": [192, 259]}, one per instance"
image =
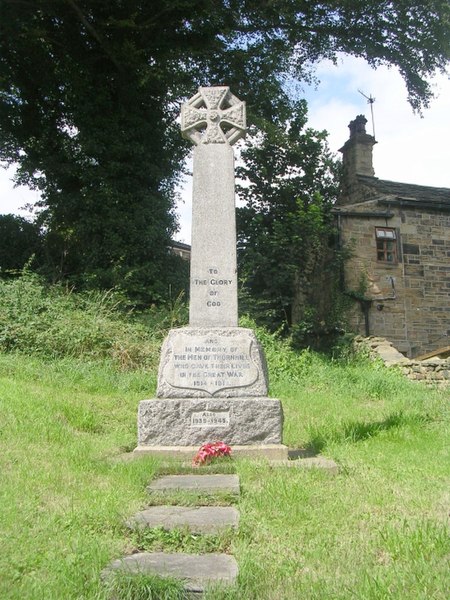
{"type": "Point", "coordinates": [213, 119]}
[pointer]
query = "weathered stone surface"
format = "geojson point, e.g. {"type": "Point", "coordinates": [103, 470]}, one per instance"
{"type": "Point", "coordinates": [201, 519]}
{"type": "Point", "coordinates": [213, 284]}
{"type": "Point", "coordinates": [409, 293]}
{"type": "Point", "coordinates": [197, 571]}
{"type": "Point", "coordinates": [213, 287]}
{"type": "Point", "coordinates": [212, 375]}
{"type": "Point", "coordinates": [389, 355]}
{"type": "Point", "coordinates": [205, 362]}
{"type": "Point", "coordinates": [204, 114]}
{"type": "Point", "coordinates": [195, 421]}
{"type": "Point", "coordinates": [196, 483]}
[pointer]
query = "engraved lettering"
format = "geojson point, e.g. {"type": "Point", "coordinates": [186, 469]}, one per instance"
{"type": "Point", "coordinates": [220, 281]}
{"type": "Point", "coordinates": [212, 363]}
{"type": "Point", "coordinates": [210, 418]}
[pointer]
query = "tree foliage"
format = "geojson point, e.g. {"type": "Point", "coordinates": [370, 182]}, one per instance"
{"type": "Point", "coordinates": [288, 261]}
{"type": "Point", "coordinates": [90, 92]}
{"type": "Point", "coordinates": [20, 243]}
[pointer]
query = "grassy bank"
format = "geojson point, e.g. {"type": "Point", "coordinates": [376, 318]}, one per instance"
{"type": "Point", "coordinates": [377, 530]}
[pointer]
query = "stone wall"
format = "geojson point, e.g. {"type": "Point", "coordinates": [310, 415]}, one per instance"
{"type": "Point", "coordinates": [409, 299]}
{"type": "Point", "coordinates": [434, 371]}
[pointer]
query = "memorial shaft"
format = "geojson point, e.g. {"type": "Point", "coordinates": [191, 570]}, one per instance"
{"type": "Point", "coordinates": [213, 285]}
{"type": "Point", "coordinates": [213, 120]}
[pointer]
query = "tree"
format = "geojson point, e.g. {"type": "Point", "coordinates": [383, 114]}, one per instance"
{"type": "Point", "coordinates": [287, 256]}
{"type": "Point", "coordinates": [90, 92]}
{"type": "Point", "coordinates": [77, 121]}
{"type": "Point", "coordinates": [20, 242]}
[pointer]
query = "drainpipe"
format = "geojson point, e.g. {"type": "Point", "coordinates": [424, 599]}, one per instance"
{"type": "Point", "coordinates": [365, 307]}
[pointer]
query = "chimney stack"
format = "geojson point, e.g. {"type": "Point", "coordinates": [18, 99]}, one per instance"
{"type": "Point", "coordinates": [356, 158]}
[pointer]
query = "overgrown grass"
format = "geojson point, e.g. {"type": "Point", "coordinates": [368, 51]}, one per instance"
{"type": "Point", "coordinates": [53, 322]}
{"type": "Point", "coordinates": [377, 530]}
{"type": "Point", "coordinates": [144, 587]}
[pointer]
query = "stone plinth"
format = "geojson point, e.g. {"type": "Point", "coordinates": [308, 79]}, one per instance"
{"type": "Point", "coordinates": [194, 421]}
{"type": "Point", "coordinates": [212, 385]}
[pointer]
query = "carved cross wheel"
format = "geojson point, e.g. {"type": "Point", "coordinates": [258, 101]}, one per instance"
{"type": "Point", "coordinates": [205, 114]}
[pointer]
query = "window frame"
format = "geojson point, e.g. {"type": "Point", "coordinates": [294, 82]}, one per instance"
{"type": "Point", "coordinates": [382, 239]}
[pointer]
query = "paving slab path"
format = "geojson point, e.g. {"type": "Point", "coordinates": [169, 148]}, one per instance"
{"type": "Point", "coordinates": [198, 519]}
{"type": "Point", "coordinates": [196, 483]}
{"type": "Point", "coordinates": [197, 571]}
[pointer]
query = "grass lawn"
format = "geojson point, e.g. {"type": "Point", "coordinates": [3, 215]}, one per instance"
{"type": "Point", "coordinates": [377, 530]}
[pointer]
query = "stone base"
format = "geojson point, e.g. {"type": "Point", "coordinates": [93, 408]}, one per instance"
{"type": "Point", "coordinates": [185, 422]}
{"type": "Point", "coordinates": [272, 452]}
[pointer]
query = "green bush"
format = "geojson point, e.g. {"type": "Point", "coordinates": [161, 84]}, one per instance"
{"type": "Point", "coordinates": [284, 362]}
{"type": "Point", "coordinates": [54, 322]}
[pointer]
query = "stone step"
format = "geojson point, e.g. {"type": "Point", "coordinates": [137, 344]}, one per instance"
{"type": "Point", "coordinates": [202, 519]}
{"type": "Point", "coordinates": [198, 571]}
{"type": "Point", "coordinates": [196, 483]}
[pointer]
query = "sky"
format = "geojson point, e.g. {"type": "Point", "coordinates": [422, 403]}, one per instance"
{"type": "Point", "coordinates": [409, 148]}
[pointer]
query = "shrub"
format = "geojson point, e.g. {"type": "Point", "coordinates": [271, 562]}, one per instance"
{"type": "Point", "coordinates": [53, 322]}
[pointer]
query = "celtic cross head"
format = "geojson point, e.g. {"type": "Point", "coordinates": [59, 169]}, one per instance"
{"type": "Point", "coordinates": [213, 116]}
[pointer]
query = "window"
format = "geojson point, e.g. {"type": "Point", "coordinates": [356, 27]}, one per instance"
{"type": "Point", "coordinates": [386, 238]}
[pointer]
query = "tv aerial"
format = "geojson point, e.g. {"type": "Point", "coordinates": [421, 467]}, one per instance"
{"type": "Point", "coordinates": [370, 100]}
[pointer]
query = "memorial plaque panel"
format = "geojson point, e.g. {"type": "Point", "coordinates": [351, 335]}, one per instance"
{"type": "Point", "coordinates": [208, 362]}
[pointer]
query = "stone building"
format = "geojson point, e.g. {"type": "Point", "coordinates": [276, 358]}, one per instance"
{"type": "Point", "coordinates": [399, 237]}
{"type": "Point", "coordinates": [181, 250]}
